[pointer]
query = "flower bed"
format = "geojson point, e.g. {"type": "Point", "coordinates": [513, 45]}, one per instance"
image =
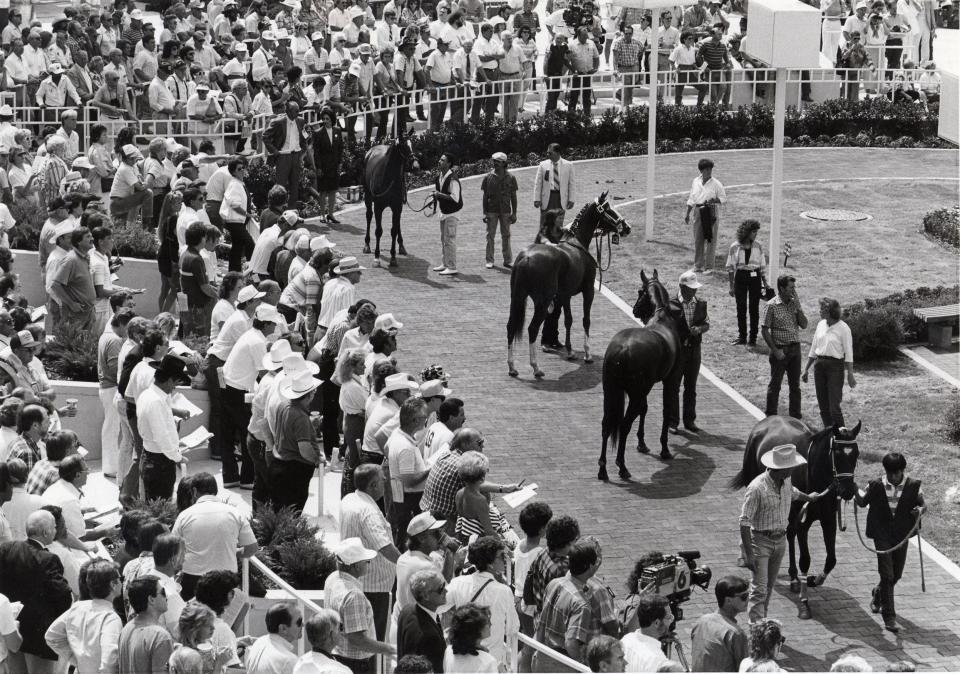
{"type": "Point", "coordinates": [944, 225]}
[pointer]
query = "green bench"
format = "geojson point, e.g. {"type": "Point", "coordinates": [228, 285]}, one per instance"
{"type": "Point", "coordinates": [940, 322]}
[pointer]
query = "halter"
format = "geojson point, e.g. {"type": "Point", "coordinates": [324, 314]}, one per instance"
{"type": "Point", "coordinates": [841, 504]}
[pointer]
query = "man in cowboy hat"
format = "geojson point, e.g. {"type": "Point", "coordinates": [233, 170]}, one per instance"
{"type": "Point", "coordinates": [895, 502]}
{"type": "Point", "coordinates": [343, 593]}
{"type": "Point", "coordinates": [686, 369]}
{"type": "Point", "coordinates": [764, 518]}
{"type": "Point", "coordinates": [339, 292]}
{"type": "Point", "coordinates": [296, 451]}
{"type": "Point", "coordinates": [158, 428]}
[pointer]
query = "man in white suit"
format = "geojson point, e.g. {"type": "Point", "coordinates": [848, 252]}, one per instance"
{"type": "Point", "coordinates": [554, 192]}
{"type": "Point", "coordinates": [554, 189]}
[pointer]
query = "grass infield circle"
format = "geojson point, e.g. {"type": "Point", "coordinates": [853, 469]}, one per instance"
{"type": "Point", "coordinates": [835, 215]}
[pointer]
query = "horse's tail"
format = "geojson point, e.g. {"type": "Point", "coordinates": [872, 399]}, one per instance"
{"type": "Point", "coordinates": [750, 468]}
{"type": "Point", "coordinates": [518, 302]}
{"type": "Point", "coordinates": [614, 399]}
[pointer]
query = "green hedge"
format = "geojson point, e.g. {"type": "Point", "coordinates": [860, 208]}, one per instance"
{"type": "Point", "coordinates": [881, 325]}
{"type": "Point", "coordinates": [944, 224]}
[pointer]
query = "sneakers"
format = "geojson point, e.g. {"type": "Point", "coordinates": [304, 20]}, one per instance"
{"type": "Point", "coordinates": [489, 265]}
{"type": "Point", "coordinates": [440, 267]}
{"type": "Point", "coordinates": [449, 272]}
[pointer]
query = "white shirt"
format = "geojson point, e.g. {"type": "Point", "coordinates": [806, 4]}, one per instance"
{"type": "Point", "coordinates": [237, 324]}
{"type": "Point", "coordinates": [833, 341]}
{"type": "Point", "coordinates": [318, 663]}
{"type": "Point", "coordinates": [404, 458]}
{"type": "Point", "coordinates": [437, 442]}
{"type": "Point", "coordinates": [291, 141]}
{"type": "Point", "coordinates": [185, 218]}
{"type": "Point", "coordinates": [499, 599]}
{"type": "Point", "coordinates": [8, 625]}
{"type": "Point", "coordinates": [88, 636]}
{"type": "Point", "coordinates": [157, 425]}
{"type": "Point", "coordinates": [381, 413]}
{"type": "Point", "coordinates": [7, 436]}
{"type": "Point", "coordinates": [481, 663]}
{"type": "Point", "coordinates": [338, 293]}
{"type": "Point", "coordinates": [408, 564]}
{"type": "Point", "coordinates": [260, 68]}
{"type": "Point", "coordinates": [701, 192]}
{"type": "Point", "coordinates": [18, 509]}
{"type": "Point", "coordinates": [245, 360]}
{"type": "Point", "coordinates": [267, 242]}
{"type": "Point", "coordinates": [222, 310]}
{"type": "Point", "coordinates": [440, 67]}
{"type": "Point", "coordinates": [643, 653]}
{"type": "Point", "coordinates": [64, 494]}
{"type": "Point", "coordinates": [361, 517]}
{"type": "Point", "coordinates": [141, 378]}
{"type": "Point", "coordinates": [271, 654]}
{"type": "Point", "coordinates": [212, 531]}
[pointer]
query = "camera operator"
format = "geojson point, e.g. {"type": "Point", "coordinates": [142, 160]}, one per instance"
{"type": "Point", "coordinates": [643, 648]}
{"type": "Point", "coordinates": [628, 613]}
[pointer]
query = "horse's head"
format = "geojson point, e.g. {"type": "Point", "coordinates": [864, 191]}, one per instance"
{"type": "Point", "coordinates": [597, 218]}
{"type": "Point", "coordinates": [651, 297]}
{"type": "Point", "coordinates": [844, 453]}
{"type": "Point", "coordinates": [405, 147]}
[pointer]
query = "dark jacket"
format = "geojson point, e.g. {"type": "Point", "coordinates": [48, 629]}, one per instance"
{"type": "Point", "coordinates": [700, 319]}
{"type": "Point", "coordinates": [33, 576]}
{"type": "Point", "coordinates": [884, 524]}
{"type": "Point", "coordinates": [276, 134]}
{"type": "Point", "coordinates": [419, 634]}
{"type": "Point", "coordinates": [327, 155]}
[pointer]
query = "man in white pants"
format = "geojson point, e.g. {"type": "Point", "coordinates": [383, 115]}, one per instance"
{"type": "Point", "coordinates": [449, 200]}
{"type": "Point", "coordinates": [108, 352]}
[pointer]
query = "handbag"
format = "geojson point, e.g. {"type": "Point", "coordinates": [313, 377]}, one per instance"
{"type": "Point", "coordinates": [767, 293]}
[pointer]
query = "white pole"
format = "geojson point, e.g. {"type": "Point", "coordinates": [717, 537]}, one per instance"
{"type": "Point", "coordinates": [651, 138]}
{"type": "Point", "coordinates": [776, 202]}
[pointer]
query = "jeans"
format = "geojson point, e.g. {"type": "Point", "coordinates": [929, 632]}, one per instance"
{"type": "Point", "coordinates": [330, 420]}
{"type": "Point", "coordinates": [448, 240]}
{"type": "Point", "coordinates": [352, 439]}
{"type": "Point", "coordinates": [828, 382]}
{"type": "Point", "coordinates": [130, 486]}
{"type": "Point", "coordinates": [685, 372]}
{"type": "Point", "coordinates": [211, 364]}
{"type": "Point", "coordinates": [746, 290]}
{"type": "Point", "coordinates": [241, 245]}
{"type": "Point", "coordinates": [290, 483]}
{"type": "Point", "coordinates": [791, 366]}
{"type": "Point", "coordinates": [261, 472]}
{"type": "Point", "coordinates": [504, 221]}
{"type": "Point", "coordinates": [380, 603]}
{"type": "Point", "coordinates": [438, 105]}
{"type": "Point", "coordinates": [891, 569]}
{"type": "Point", "coordinates": [159, 474]}
{"type": "Point", "coordinates": [580, 90]}
{"type": "Point", "coordinates": [768, 553]}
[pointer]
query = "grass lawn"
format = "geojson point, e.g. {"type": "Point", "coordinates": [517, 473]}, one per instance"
{"type": "Point", "coordinates": [903, 408]}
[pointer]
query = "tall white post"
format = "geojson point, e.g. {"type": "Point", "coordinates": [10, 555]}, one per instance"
{"type": "Point", "coordinates": [651, 140]}
{"type": "Point", "coordinates": [776, 202]}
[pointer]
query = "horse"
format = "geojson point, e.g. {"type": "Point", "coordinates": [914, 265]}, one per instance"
{"type": "Point", "coordinates": [636, 359]}
{"type": "Point", "coordinates": [554, 273]}
{"type": "Point", "coordinates": [384, 184]}
{"type": "Point", "coordinates": [831, 456]}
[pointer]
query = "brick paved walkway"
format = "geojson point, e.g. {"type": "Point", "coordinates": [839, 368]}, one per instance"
{"type": "Point", "coordinates": [549, 431]}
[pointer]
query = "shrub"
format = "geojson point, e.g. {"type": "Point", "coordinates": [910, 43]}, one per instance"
{"type": "Point", "coordinates": [305, 563]}
{"type": "Point", "coordinates": [163, 509]}
{"type": "Point", "coordinates": [72, 354]}
{"type": "Point", "coordinates": [944, 224]}
{"type": "Point", "coordinates": [134, 241]}
{"type": "Point", "coordinates": [275, 526]}
{"type": "Point", "coordinates": [903, 303]}
{"type": "Point", "coordinates": [876, 334]}
{"type": "Point", "coordinates": [953, 422]}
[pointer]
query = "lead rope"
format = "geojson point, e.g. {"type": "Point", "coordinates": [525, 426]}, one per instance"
{"type": "Point", "coordinates": [598, 245]}
{"type": "Point", "coordinates": [913, 530]}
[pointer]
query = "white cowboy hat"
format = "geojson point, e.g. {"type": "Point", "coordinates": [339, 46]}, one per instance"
{"type": "Point", "coordinates": [434, 387]}
{"type": "Point", "coordinates": [295, 364]}
{"type": "Point", "coordinates": [782, 457]}
{"type": "Point", "coordinates": [387, 323]}
{"type": "Point", "coordinates": [299, 386]}
{"type": "Point", "coordinates": [274, 359]}
{"type": "Point", "coordinates": [269, 314]}
{"type": "Point", "coordinates": [321, 243]}
{"type": "Point", "coordinates": [351, 551]}
{"type": "Point", "coordinates": [61, 230]}
{"type": "Point", "coordinates": [398, 382]}
{"type": "Point", "coordinates": [348, 265]}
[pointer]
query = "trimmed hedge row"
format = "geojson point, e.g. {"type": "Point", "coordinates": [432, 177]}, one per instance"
{"type": "Point", "coordinates": [881, 325]}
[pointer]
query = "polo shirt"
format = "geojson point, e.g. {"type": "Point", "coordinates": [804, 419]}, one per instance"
{"type": "Point", "coordinates": [108, 349]}
{"type": "Point", "coordinates": [123, 181]}
{"type": "Point", "coordinates": [293, 427]}
{"type": "Point", "coordinates": [193, 275]}
{"type": "Point", "coordinates": [67, 496]}
{"type": "Point", "coordinates": [404, 458]}
{"type": "Point", "coordinates": [237, 324]}
{"type": "Point", "coordinates": [271, 654]}
{"type": "Point", "coordinates": [73, 273]}
{"type": "Point", "coordinates": [643, 653]}
{"type": "Point", "coordinates": [381, 413]}
{"type": "Point", "coordinates": [212, 531]}
{"type": "Point", "coordinates": [245, 360]}
{"type": "Point", "coordinates": [582, 55]}
{"type": "Point", "coordinates": [267, 242]}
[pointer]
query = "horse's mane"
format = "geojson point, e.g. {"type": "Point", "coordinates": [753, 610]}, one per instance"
{"type": "Point", "coordinates": [379, 178]}
{"type": "Point", "coordinates": [818, 456]}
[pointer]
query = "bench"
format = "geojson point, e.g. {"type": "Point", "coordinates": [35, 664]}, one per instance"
{"type": "Point", "coordinates": [940, 322]}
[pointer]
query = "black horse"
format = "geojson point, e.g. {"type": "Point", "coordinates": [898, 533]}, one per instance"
{"type": "Point", "coordinates": [555, 273]}
{"type": "Point", "coordinates": [384, 185]}
{"type": "Point", "coordinates": [636, 359]}
{"type": "Point", "coordinates": [831, 456]}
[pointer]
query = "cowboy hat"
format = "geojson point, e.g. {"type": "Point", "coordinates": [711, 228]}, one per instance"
{"type": "Point", "coordinates": [351, 551]}
{"type": "Point", "coordinates": [388, 323]}
{"type": "Point", "coordinates": [433, 388]}
{"type": "Point", "coordinates": [269, 314]}
{"type": "Point", "coordinates": [348, 264]}
{"type": "Point", "coordinates": [295, 363]}
{"type": "Point", "coordinates": [299, 386]}
{"type": "Point", "coordinates": [321, 243]}
{"type": "Point", "coordinates": [274, 359]}
{"type": "Point", "coordinates": [399, 382]}
{"type": "Point", "coordinates": [782, 457]}
{"type": "Point", "coordinates": [62, 229]}
{"type": "Point", "coordinates": [171, 367]}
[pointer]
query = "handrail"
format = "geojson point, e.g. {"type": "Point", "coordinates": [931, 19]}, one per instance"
{"type": "Point", "coordinates": [514, 640]}
{"type": "Point", "coordinates": [302, 602]}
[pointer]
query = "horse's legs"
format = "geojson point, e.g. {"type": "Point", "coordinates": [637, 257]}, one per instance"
{"type": "Point", "coordinates": [366, 239]}
{"type": "Point", "coordinates": [587, 304]}
{"type": "Point", "coordinates": [397, 212]}
{"type": "Point", "coordinates": [637, 406]}
{"type": "Point", "coordinates": [828, 524]}
{"type": "Point", "coordinates": [641, 445]}
{"type": "Point", "coordinates": [568, 323]}
{"type": "Point", "coordinates": [665, 423]}
{"type": "Point", "coordinates": [378, 233]}
{"type": "Point", "coordinates": [539, 313]}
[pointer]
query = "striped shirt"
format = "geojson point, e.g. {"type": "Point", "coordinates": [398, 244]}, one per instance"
{"type": "Point", "coordinates": [894, 491]}
{"type": "Point", "coordinates": [832, 341]}
{"type": "Point", "coordinates": [765, 507]}
{"type": "Point", "coordinates": [714, 54]}
{"type": "Point", "coordinates": [737, 257]}
{"type": "Point", "coordinates": [784, 321]}
{"type": "Point", "coordinates": [360, 517]}
{"type": "Point", "coordinates": [568, 614]}
{"type": "Point", "coordinates": [303, 290]}
{"type": "Point", "coordinates": [343, 594]}
{"type": "Point", "coordinates": [627, 52]}
{"type": "Point", "coordinates": [443, 483]}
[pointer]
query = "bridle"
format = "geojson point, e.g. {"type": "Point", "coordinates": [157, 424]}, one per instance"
{"type": "Point", "coordinates": [604, 212]}
{"type": "Point", "coordinates": [837, 476]}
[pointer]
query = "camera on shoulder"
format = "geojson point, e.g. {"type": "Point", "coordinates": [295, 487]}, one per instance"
{"type": "Point", "coordinates": [675, 577]}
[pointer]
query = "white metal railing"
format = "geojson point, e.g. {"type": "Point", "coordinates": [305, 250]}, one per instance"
{"type": "Point", "coordinates": [515, 640]}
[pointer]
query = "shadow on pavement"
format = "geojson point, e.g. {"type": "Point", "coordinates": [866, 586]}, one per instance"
{"type": "Point", "coordinates": [680, 477]}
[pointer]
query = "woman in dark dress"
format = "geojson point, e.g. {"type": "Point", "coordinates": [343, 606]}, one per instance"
{"type": "Point", "coordinates": [327, 153]}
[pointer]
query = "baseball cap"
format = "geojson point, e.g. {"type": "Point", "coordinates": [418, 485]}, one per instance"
{"type": "Point", "coordinates": [351, 551]}
{"type": "Point", "coordinates": [689, 280]}
{"type": "Point", "coordinates": [424, 522]}
{"type": "Point", "coordinates": [248, 293]}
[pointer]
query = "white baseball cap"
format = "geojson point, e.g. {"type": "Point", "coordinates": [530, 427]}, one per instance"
{"type": "Point", "coordinates": [248, 293]}
{"type": "Point", "coordinates": [424, 522]}
{"type": "Point", "coordinates": [388, 323]}
{"type": "Point", "coordinates": [351, 551]}
{"type": "Point", "coordinates": [689, 279]}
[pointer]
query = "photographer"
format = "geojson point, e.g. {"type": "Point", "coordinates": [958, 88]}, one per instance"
{"type": "Point", "coordinates": [643, 648]}
{"type": "Point", "coordinates": [628, 612]}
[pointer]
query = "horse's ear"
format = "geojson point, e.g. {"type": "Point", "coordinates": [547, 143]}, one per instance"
{"type": "Point", "coordinates": [855, 431]}
{"type": "Point", "coordinates": [643, 277]}
{"type": "Point", "coordinates": [603, 197]}
{"type": "Point", "coordinates": [655, 276]}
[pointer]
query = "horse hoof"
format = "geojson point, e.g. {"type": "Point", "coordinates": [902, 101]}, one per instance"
{"type": "Point", "coordinates": [366, 250]}
{"type": "Point", "coordinates": [795, 585]}
{"type": "Point", "coordinates": [816, 581]}
{"type": "Point", "coordinates": [402, 251]}
{"type": "Point", "coordinates": [513, 373]}
{"type": "Point", "coordinates": [571, 355]}
{"type": "Point", "coordinates": [393, 262]}
{"type": "Point", "coordinates": [642, 447]}
{"type": "Point", "coordinates": [805, 613]}
{"type": "Point", "coordinates": [602, 474]}
{"type": "Point", "coordinates": [666, 455]}
{"type": "Point", "coordinates": [376, 262]}
{"type": "Point", "coordinates": [538, 374]}
{"type": "Point", "coordinates": [624, 473]}
{"type": "Point", "coordinates": [587, 359]}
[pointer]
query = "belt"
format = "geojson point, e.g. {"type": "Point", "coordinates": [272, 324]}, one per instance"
{"type": "Point", "coordinates": [830, 358]}
{"type": "Point", "coordinates": [771, 533]}
{"type": "Point", "coordinates": [787, 346]}
{"type": "Point", "coordinates": [516, 72]}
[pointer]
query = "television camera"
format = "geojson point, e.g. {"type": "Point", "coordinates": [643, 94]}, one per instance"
{"type": "Point", "coordinates": [675, 577]}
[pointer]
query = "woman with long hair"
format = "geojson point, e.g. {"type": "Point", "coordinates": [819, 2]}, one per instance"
{"type": "Point", "coordinates": [196, 628]}
{"type": "Point", "coordinates": [100, 157]}
{"type": "Point", "coordinates": [168, 261]}
{"type": "Point", "coordinates": [469, 626]}
{"type": "Point", "coordinates": [352, 399]}
{"type": "Point", "coordinates": [528, 45]}
{"type": "Point", "coordinates": [832, 351]}
{"type": "Point", "coordinates": [766, 640]}
{"type": "Point", "coordinates": [746, 268]}
{"type": "Point", "coordinates": [229, 289]}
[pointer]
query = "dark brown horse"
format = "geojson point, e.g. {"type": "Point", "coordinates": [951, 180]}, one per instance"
{"type": "Point", "coordinates": [384, 185]}
{"type": "Point", "coordinates": [554, 273]}
{"type": "Point", "coordinates": [831, 456]}
{"type": "Point", "coordinates": [636, 359]}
